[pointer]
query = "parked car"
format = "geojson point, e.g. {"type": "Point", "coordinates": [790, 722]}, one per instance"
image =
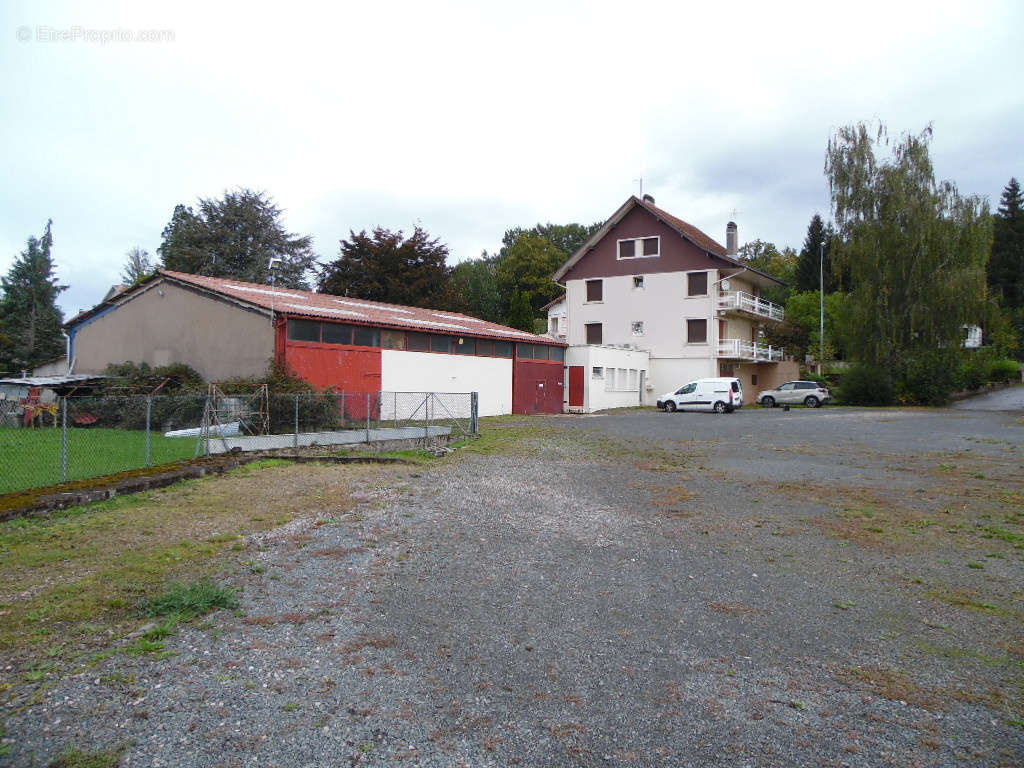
{"type": "Point", "coordinates": [810, 393]}
{"type": "Point", "coordinates": [722, 395]}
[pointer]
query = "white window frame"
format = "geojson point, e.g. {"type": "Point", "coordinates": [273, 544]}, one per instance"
{"type": "Point", "coordinates": [637, 328]}
{"type": "Point", "coordinates": [635, 240]}
{"type": "Point", "coordinates": [586, 290]}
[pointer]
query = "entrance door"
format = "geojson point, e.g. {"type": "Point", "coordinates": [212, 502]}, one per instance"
{"type": "Point", "coordinates": [575, 386]}
{"type": "Point", "coordinates": [539, 398]}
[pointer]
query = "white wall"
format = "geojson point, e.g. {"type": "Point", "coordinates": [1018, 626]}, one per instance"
{"type": "Point", "coordinates": [669, 374]}
{"type": "Point", "coordinates": [596, 393]}
{"type": "Point", "coordinates": [661, 305]}
{"type": "Point", "coordinates": [433, 372]}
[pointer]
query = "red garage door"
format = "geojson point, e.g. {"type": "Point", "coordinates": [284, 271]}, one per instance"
{"type": "Point", "coordinates": [575, 386]}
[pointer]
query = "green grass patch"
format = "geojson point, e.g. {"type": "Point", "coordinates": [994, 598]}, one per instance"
{"type": "Point", "coordinates": [32, 457]}
{"type": "Point", "coordinates": [187, 601]}
{"type": "Point", "coordinates": [72, 757]}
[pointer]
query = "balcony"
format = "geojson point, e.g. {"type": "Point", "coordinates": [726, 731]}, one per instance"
{"type": "Point", "coordinates": [737, 349]}
{"type": "Point", "coordinates": [738, 301]}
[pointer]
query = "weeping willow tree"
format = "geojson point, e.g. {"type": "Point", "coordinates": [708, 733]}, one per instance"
{"type": "Point", "coordinates": [915, 251]}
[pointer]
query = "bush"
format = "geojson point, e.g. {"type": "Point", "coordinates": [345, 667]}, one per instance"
{"type": "Point", "coordinates": [928, 378]}
{"type": "Point", "coordinates": [864, 384]}
{"type": "Point", "coordinates": [973, 375]}
{"type": "Point", "coordinates": [1003, 370]}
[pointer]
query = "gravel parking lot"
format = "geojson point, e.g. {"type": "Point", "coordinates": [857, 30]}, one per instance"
{"type": "Point", "coordinates": [834, 587]}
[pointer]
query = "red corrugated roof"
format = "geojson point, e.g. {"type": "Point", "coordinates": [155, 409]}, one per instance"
{"type": "Point", "coordinates": [288, 301]}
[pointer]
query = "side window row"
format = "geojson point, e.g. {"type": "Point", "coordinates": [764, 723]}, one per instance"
{"type": "Point", "coordinates": [696, 285]}
{"type": "Point", "coordinates": [369, 336]}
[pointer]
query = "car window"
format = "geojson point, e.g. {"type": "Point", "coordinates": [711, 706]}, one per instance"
{"type": "Point", "coordinates": [806, 385]}
{"type": "Point", "coordinates": [687, 389]}
{"type": "Point", "coordinates": [735, 386]}
{"type": "Point", "coordinates": [786, 387]}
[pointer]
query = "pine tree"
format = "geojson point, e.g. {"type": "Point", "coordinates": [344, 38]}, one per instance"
{"type": "Point", "coordinates": [807, 277]}
{"type": "Point", "coordinates": [236, 237]}
{"type": "Point", "coordinates": [1006, 266]}
{"type": "Point", "coordinates": [29, 314]}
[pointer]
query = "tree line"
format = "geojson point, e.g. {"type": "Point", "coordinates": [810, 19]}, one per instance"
{"type": "Point", "coordinates": [905, 261]}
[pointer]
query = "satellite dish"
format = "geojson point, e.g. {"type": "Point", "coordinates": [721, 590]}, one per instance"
{"type": "Point", "coordinates": [725, 285]}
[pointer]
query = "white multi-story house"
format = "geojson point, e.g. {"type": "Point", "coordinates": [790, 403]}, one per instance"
{"type": "Point", "coordinates": [651, 302]}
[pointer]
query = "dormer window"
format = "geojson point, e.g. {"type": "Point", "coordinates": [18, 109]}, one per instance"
{"type": "Point", "coordinates": [640, 248]}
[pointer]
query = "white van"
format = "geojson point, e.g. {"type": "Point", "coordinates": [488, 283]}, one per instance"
{"type": "Point", "coordinates": [722, 395]}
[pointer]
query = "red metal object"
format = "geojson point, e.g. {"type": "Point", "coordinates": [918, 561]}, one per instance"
{"type": "Point", "coordinates": [537, 386]}
{"type": "Point", "coordinates": [353, 370]}
{"type": "Point", "coordinates": [576, 386]}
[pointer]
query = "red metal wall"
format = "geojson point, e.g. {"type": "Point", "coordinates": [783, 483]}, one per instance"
{"type": "Point", "coordinates": [342, 368]}
{"type": "Point", "coordinates": [537, 386]}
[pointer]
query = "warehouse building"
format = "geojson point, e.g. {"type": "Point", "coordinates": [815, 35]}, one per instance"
{"type": "Point", "coordinates": [226, 328]}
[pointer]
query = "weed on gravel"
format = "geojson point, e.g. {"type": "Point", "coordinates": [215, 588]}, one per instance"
{"type": "Point", "coordinates": [72, 757]}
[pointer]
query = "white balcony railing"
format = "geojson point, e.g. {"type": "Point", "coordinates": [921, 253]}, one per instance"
{"type": "Point", "coordinates": [737, 349]}
{"type": "Point", "coordinates": [744, 302]}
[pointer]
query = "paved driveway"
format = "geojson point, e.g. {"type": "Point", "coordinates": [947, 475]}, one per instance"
{"type": "Point", "coordinates": [1011, 399]}
{"type": "Point", "coordinates": [832, 587]}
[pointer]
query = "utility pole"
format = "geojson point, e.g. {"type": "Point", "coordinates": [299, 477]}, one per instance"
{"type": "Point", "coordinates": [821, 292]}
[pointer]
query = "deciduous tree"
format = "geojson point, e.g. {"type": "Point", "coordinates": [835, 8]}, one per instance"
{"type": "Point", "coordinates": [525, 266]}
{"type": "Point", "coordinates": [136, 266]}
{"type": "Point", "coordinates": [388, 266]}
{"type": "Point", "coordinates": [916, 251]}
{"type": "Point", "coordinates": [767, 258]}
{"type": "Point", "coordinates": [475, 282]}
{"type": "Point", "coordinates": [29, 315]}
{"type": "Point", "coordinates": [236, 237]}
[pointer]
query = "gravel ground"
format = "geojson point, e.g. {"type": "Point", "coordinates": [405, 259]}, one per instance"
{"type": "Point", "coordinates": [630, 589]}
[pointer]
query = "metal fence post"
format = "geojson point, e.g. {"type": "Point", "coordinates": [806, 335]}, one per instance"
{"type": "Point", "coordinates": [396, 405]}
{"type": "Point", "coordinates": [64, 439]}
{"type": "Point", "coordinates": [295, 442]}
{"type": "Point", "coordinates": [474, 413]}
{"type": "Point", "coordinates": [426, 416]}
{"type": "Point", "coordinates": [149, 434]}
{"type": "Point", "coordinates": [344, 420]}
{"type": "Point", "coordinates": [367, 418]}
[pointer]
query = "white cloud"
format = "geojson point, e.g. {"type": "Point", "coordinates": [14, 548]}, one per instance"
{"type": "Point", "coordinates": [470, 119]}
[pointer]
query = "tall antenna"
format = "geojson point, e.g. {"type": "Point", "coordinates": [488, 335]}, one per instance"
{"type": "Point", "coordinates": [641, 180]}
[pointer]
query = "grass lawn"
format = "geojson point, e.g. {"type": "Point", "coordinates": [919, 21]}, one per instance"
{"type": "Point", "coordinates": [77, 579]}
{"type": "Point", "coordinates": [30, 458]}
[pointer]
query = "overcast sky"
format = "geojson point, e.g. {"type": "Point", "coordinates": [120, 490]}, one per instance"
{"type": "Point", "coordinates": [471, 118]}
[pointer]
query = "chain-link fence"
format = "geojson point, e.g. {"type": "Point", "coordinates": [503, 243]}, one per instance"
{"type": "Point", "coordinates": [74, 438]}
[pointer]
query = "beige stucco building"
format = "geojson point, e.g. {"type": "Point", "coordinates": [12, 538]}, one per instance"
{"type": "Point", "coordinates": [169, 322]}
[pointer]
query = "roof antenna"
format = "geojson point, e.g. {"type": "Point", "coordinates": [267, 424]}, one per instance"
{"type": "Point", "coordinates": [641, 180]}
